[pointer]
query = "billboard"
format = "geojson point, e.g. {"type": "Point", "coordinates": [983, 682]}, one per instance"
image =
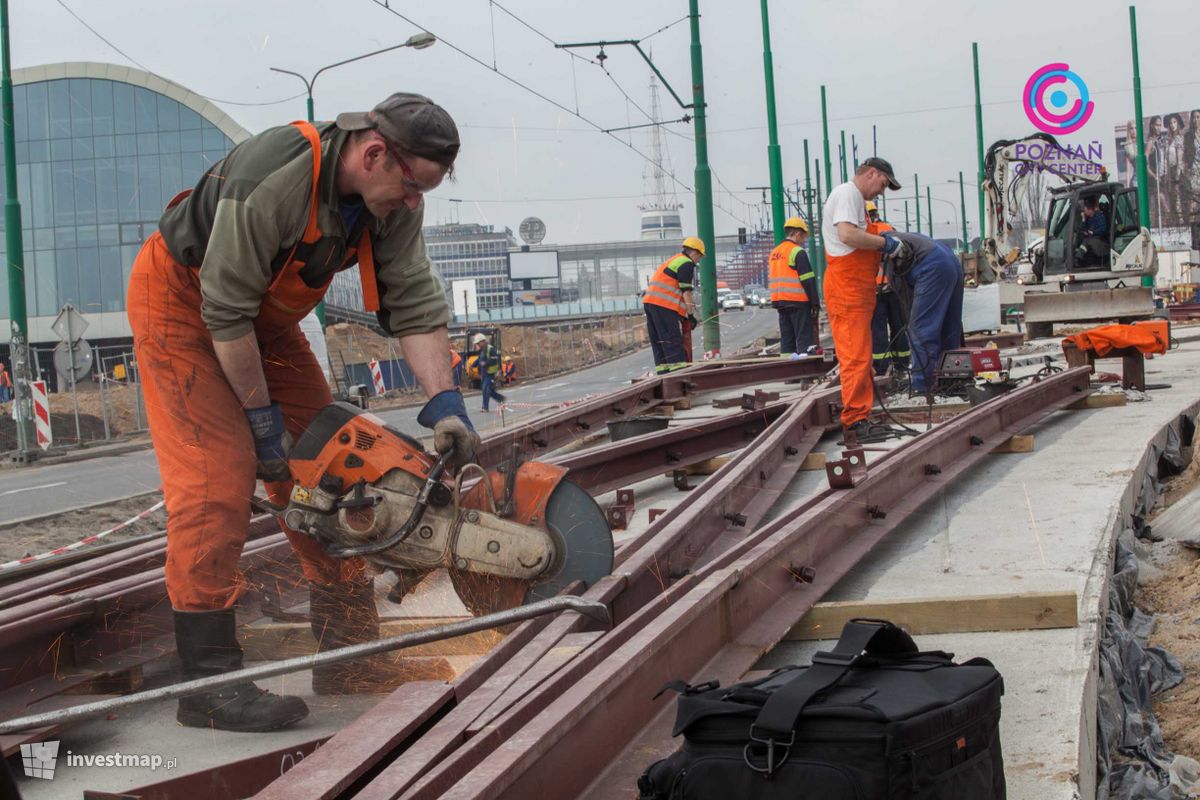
{"type": "Point", "coordinates": [1172, 166]}
{"type": "Point", "coordinates": [464, 298]}
{"type": "Point", "coordinates": [524, 265]}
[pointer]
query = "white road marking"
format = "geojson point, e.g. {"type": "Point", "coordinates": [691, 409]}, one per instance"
{"type": "Point", "coordinates": [31, 488]}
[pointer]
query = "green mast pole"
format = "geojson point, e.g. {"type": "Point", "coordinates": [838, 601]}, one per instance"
{"type": "Point", "coordinates": [917, 194]}
{"type": "Point", "coordinates": [15, 255]}
{"type": "Point", "coordinates": [825, 131]}
{"type": "Point", "coordinates": [1142, 189]}
{"type": "Point", "coordinates": [962, 202]}
{"type": "Point", "coordinates": [842, 154]}
{"type": "Point", "coordinates": [774, 158]}
{"type": "Point", "coordinates": [907, 225]}
{"type": "Point", "coordinates": [704, 201]}
{"type": "Point", "coordinates": [820, 265]}
{"type": "Point", "coordinates": [979, 142]}
{"type": "Point", "coordinates": [929, 208]}
{"type": "Point", "coordinates": [808, 208]}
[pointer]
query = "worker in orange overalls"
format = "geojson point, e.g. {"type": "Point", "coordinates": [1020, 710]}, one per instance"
{"type": "Point", "coordinates": [793, 287]}
{"type": "Point", "coordinates": [215, 297]}
{"type": "Point", "coordinates": [889, 338]}
{"type": "Point", "coordinates": [668, 302]}
{"type": "Point", "coordinates": [5, 384]}
{"type": "Point", "coordinates": [853, 259]}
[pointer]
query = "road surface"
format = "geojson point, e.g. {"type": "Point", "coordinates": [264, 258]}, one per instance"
{"type": "Point", "coordinates": [38, 490]}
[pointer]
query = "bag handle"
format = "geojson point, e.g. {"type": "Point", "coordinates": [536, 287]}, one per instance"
{"type": "Point", "coordinates": [775, 726]}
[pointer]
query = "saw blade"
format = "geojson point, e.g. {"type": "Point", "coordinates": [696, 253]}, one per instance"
{"type": "Point", "coordinates": [585, 553]}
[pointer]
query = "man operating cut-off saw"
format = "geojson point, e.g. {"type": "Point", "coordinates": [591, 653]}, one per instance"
{"type": "Point", "coordinates": [215, 298]}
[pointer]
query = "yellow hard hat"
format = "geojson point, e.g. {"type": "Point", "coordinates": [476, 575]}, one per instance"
{"type": "Point", "coordinates": [871, 206]}
{"type": "Point", "coordinates": [693, 243]}
{"type": "Point", "coordinates": [796, 222]}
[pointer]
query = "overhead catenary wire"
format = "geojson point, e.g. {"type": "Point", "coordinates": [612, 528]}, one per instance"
{"type": "Point", "coordinates": [142, 66]}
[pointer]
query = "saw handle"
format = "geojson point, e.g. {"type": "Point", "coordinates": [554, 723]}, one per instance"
{"type": "Point", "coordinates": [414, 518]}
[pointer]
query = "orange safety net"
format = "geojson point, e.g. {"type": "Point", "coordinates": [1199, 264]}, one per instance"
{"type": "Point", "coordinates": [1150, 337]}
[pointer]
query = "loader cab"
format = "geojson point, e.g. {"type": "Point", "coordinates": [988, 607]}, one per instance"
{"type": "Point", "coordinates": [1068, 253]}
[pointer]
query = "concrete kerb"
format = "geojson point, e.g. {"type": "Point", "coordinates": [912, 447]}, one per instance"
{"type": "Point", "coordinates": [1094, 600]}
{"type": "Point", "coordinates": [82, 507]}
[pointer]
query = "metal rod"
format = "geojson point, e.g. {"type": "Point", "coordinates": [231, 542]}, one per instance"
{"type": "Point", "coordinates": [589, 608]}
{"type": "Point", "coordinates": [962, 201]}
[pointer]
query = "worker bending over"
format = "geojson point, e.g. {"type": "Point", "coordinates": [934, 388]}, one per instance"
{"type": "Point", "coordinates": [852, 266]}
{"type": "Point", "coordinates": [215, 300]}
{"type": "Point", "coordinates": [931, 272]}
{"type": "Point", "coordinates": [793, 286]}
{"type": "Point", "coordinates": [889, 342]}
{"type": "Point", "coordinates": [668, 302]}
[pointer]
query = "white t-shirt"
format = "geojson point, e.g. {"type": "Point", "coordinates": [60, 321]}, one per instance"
{"type": "Point", "coordinates": [844, 204]}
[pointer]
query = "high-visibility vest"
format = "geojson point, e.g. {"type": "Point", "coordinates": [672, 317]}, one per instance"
{"type": "Point", "coordinates": [664, 286]}
{"type": "Point", "coordinates": [879, 228]}
{"type": "Point", "coordinates": [488, 354]}
{"type": "Point", "coordinates": [455, 358]}
{"type": "Point", "coordinates": [785, 284]}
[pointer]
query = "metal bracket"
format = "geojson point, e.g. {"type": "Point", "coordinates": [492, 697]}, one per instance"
{"type": "Point", "coordinates": [655, 513]}
{"type": "Point", "coordinates": [849, 470]}
{"type": "Point", "coordinates": [680, 477]}
{"type": "Point", "coordinates": [620, 513]}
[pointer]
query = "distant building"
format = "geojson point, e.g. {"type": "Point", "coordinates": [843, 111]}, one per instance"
{"type": "Point", "coordinates": [100, 151]}
{"type": "Point", "coordinates": [471, 251]}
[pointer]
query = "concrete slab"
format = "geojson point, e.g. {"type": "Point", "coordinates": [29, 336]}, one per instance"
{"type": "Point", "coordinates": [1042, 520]}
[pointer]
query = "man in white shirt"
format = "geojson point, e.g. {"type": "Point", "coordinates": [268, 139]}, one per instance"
{"type": "Point", "coordinates": [853, 257]}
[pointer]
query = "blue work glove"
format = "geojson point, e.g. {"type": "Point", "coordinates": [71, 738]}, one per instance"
{"type": "Point", "coordinates": [891, 245]}
{"type": "Point", "coordinates": [446, 414]}
{"type": "Point", "coordinates": [271, 442]}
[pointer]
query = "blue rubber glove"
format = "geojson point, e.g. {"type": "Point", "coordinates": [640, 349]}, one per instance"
{"type": "Point", "coordinates": [271, 442]}
{"type": "Point", "coordinates": [891, 244]}
{"type": "Point", "coordinates": [446, 414]}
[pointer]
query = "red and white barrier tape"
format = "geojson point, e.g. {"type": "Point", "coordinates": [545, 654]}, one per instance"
{"type": "Point", "coordinates": [58, 551]}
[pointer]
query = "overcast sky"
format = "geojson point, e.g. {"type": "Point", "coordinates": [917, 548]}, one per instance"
{"type": "Point", "coordinates": [906, 67]}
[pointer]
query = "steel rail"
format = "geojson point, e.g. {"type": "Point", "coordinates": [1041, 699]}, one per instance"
{"type": "Point", "coordinates": [549, 432]}
{"type": "Point", "coordinates": [721, 620]}
{"type": "Point", "coordinates": [758, 473]}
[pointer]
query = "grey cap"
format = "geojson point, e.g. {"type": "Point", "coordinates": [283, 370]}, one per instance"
{"type": "Point", "coordinates": [886, 169]}
{"type": "Point", "coordinates": [411, 122]}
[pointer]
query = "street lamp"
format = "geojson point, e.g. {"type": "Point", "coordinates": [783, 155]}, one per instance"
{"type": "Point", "coordinates": [418, 41]}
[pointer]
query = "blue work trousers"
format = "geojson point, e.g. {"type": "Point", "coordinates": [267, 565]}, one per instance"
{"type": "Point", "coordinates": [935, 322]}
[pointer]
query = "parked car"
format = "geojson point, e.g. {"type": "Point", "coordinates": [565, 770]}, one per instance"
{"type": "Point", "coordinates": [733, 300]}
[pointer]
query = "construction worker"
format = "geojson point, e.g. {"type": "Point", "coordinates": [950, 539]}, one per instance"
{"type": "Point", "coordinates": [5, 384]}
{"type": "Point", "coordinates": [889, 341]}
{"type": "Point", "coordinates": [488, 363]}
{"type": "Point", "coordinates": [455, 366]}
{"type": "Point", "coordinates": [852, 255]}
{"type": "Point", "coordinates": [668, 301]}
{"type": "Point", "coordinates": [933, 275]}
{"type": "Point", "coordinates": [215, 297]}
{"type": "Point", "coordinates": [793, 286]}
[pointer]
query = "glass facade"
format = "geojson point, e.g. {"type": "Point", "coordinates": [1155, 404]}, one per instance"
{"type": "Point", "coordinates": [97, 160]}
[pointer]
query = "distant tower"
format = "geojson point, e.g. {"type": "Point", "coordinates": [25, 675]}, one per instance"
{"type": "Point", "coordinates": [660, 211]}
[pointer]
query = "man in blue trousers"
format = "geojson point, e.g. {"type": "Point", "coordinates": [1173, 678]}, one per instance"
{"type": "Point", "coordinates": [932, 275]}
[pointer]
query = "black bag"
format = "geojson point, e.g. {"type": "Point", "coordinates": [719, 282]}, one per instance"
{"type": "Point", "coordinates": [872, 720]}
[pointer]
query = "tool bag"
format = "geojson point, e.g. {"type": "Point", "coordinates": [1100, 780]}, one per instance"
{"type": "Point", "coordinates": [873, 719]}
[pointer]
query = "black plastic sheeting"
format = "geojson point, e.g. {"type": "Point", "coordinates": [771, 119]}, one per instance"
{"type": "Point", "coordinates": [1133, 762]}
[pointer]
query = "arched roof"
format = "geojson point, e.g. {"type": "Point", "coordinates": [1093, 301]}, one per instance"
{"type": "Point", "coordinates": [136, 77]}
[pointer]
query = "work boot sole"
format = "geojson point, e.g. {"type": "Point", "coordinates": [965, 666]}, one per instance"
{"type": "Point", "coordinates": [198, 719]}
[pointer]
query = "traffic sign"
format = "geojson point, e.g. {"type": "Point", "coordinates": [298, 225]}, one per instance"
{"type": "Point", "coordinates": [70, 324]}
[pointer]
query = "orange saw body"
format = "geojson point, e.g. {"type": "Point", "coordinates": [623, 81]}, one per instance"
{"type": "Point", "coordinates": [363, 488]}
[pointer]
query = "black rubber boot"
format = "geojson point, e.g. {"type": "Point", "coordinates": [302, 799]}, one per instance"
{"type": "Point", "coordinates": [207, 643]}
{"type": "Point", "coordinates": [344, 614]}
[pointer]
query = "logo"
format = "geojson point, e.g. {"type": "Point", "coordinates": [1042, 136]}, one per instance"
{"type": "Point", "coordinates": [38, 759]}
{"type": "Point", "coordinates": [1049, 103]}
